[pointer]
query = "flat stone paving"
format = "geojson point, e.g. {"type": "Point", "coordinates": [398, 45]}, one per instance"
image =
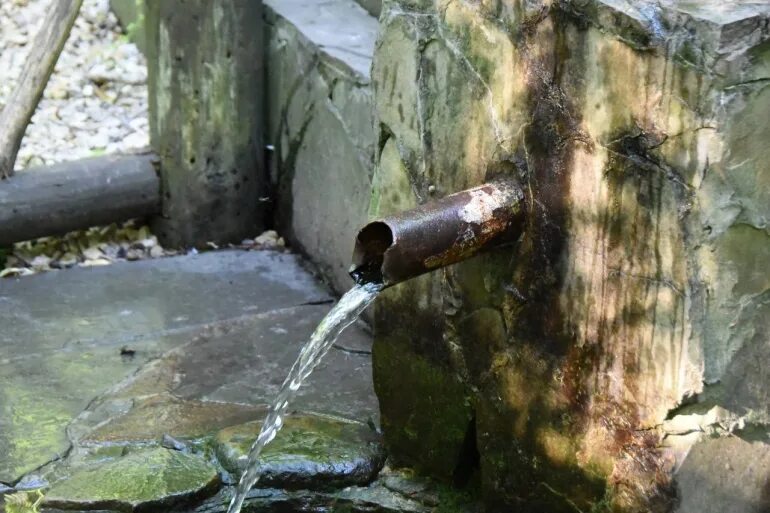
{"type": "Point", "coordinates": [98, 363]}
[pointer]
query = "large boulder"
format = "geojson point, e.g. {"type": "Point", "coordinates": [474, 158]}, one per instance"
{"type": "Point", "coordinates": [640, 290]}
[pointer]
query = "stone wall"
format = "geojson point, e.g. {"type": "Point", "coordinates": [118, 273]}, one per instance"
{"type": "Point", "coordinates": [320, 121]}
{"type": "Point", "coordinates": [320, 124]}
{"type": "Point", "coordinates": [130, 13]}
{"type": "Point", "coordinates": [630, 324]}
{"type": "Point", "coordinates": [614, 358]}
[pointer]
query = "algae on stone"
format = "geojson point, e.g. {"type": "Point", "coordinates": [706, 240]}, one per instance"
{"type": "Point", "coordinates": [143, 479]}
{"type": "Point", "coordinates": [310, 452]}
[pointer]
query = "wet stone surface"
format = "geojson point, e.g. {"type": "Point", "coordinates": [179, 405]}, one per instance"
{"type": "Point", "coordinates": [125, 386]}
{"type": "Point", "coordinates": [394, 491]}
{"type": "Point", "coordinates": [155, 478]}
{"type": "Point", "coordinates": [68, 337]}
{"type": "Point", "coordinates": [310, 452]}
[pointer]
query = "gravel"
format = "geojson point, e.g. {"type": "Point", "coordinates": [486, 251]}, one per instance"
{"type": "Point", "coordinates": [96, 99]}
{"type": "Point", "coordinates": [95, 103]}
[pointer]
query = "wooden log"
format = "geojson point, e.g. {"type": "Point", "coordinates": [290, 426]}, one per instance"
{"type": "Point", "coordinates": [44, 53]}
{"type": "Point", "coordinates": [75, 195]}
{"type": "Point", "coordinates": [206, 89]}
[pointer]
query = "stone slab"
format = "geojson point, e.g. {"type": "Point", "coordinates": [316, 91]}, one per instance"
{"type": "Point", "coordinates": [394, 491]}
{"type": "Point", "coordinates": [144, 480]}
{"type": "Point", "coordinates": [725, 474]}
{"type": "Point", "coordinates": [707, 34]}
{"type": "Point", "coordinates": [373, 7]}
{"type": "Point", "coordinates": [232, 371]}
{"type": "Point", "coordinates": [311, 452]}
{"type": "Point", "coordinates": [128, 301]}
{"type": "Point", "coordinates": [163, 415]}
{"type": "Point", "coordinates": [69, 336]}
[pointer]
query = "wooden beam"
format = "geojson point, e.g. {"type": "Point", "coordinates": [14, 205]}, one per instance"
{"type": "Point", "coordinates": [44, 52]}
{"type": "Point", "coordinates": [206, 93]}
{"type": "Point", "coordinates": [76, 195]}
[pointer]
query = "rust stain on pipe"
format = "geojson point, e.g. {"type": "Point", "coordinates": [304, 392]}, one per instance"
{"type": "Point", "coordinates": [437, 234]}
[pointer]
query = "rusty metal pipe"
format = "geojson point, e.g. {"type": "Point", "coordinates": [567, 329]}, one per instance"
{"type": "Point", "coordinates": [437, 234]}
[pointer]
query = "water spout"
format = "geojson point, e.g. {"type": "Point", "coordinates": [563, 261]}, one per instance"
{"type": "Point", "coordinates": [387, 252]}
{"type": "Point", "coordinates": [437, 234]}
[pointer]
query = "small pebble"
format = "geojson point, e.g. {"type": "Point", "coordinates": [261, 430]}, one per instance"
{"type": "Point", "coordinates": [95, 263]}
{"type": "Point", "coordinates": [169, 442]}
{"type": "Point", "coordinates": [93, 254]}
{"type": "Point", "coordinates": [149, 242]}
{"type": "Point", "coordinates": [41, 263]}
{"type": "Point", "coordinates": [268, 238]}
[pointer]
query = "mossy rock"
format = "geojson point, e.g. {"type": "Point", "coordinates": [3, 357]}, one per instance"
{"type": "Point", "coordinates": [426, 411]}
{"type": "Point", "coordinates": [310, 452]}
{"type": "Point", "coordinates": [140, 481]}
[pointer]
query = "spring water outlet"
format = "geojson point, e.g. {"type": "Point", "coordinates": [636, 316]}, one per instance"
{"type": "Point", "coordinates": [439, 233]}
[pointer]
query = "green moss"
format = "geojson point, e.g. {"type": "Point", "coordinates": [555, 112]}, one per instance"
{"type": "Point", "coordinates": [312, 438]}
{"type": "Point", "coordinates": [310, 451]}
{"type": "Point", "coordinates": [155, 476]}
{"type": "Point", "coordinates": [40, 404]}
{"type": "Point", "coordinates": [426, 411]}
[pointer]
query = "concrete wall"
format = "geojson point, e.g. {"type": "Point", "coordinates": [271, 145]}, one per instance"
{"type": "Point", "coordinates": [320, 121]}
{"type": "Point", "coordinates": [626, 328]}
{"type": "Point", "coordinates": [321, 124]}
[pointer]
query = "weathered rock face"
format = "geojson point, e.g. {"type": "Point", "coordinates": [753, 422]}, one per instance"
{"type": "Point", "coordinates": [639, 132]}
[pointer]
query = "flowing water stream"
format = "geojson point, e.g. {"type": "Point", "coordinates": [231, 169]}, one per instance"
{"type": "Point", "coordinates": [344, 313]}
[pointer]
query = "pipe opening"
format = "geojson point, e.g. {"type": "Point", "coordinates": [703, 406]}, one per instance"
{"type": "Point", "coordinates": [371, 244]}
